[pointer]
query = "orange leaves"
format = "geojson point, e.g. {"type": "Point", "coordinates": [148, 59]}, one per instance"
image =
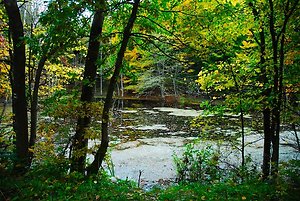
{"type": "Point", "coordinates": [138, 59]}
{"type": "Point", "coordinates": [290, 57]}
{"type": "Point", "coordinates": [2, 41]}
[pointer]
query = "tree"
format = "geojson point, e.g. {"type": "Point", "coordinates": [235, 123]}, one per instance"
{"type": "Point", "coordinates": [99, 157]}
{"type": "Point", "coordinates": [249, 50]}
{"type": "Point", "coordinates": [278, 23]}
{"type": "Point", "coordinates": [18, 60]}
{"type": "Point", "coordinates": [261, 41]}
{"type": "Point", "coordinates": [45, 39]}
{"type": "Point", "coordinates": [271, 37]}
{"type": "Point", "coordinates": [79, 145]}
{"type": "Point", "coordinates": [49, 44]}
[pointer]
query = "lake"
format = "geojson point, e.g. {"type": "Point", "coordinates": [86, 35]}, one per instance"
{"type": "Point", "coordinates": [144, 140]}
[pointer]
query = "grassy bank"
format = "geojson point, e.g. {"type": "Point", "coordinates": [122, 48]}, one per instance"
{"type": "Point", "coordinates": [53, 183]}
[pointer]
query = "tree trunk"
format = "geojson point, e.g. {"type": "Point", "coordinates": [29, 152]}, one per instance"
{"type": "Point", "coordinates": [267, 143]}
{"type": "Point", "coordinates": [271, 111]}
{"type": "Point", "coordinates": [99, 157]}
{"type": "Point", "coordinates": [238, 90]}
{"type": "Point", "coordinates": [34, 102]}
{"type": "Point", "coordinates": [289, 10]}
{"type": "Point", "coordinates": [275, 109]}
{"type": "Point", "coordinates": [243, 131]}
{"type": "Point", "coordinates": [296, 136]}
{"type": "Point", "coordinates": [266, 93]}
{"type": "Point", "coordinates": [19, 103]}
{"type": "Point", "coordinates": [34, 97]}
{"type": "Point", "coordinates": [80, 141]}
{"type": "Point", "coordinates": [266, 111]}
{"type": "Point", "coordinates": [275, 155]}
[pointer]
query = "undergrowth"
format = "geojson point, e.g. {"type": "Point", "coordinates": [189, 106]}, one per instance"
{"type": "Point", "coordinates": [52, 182]}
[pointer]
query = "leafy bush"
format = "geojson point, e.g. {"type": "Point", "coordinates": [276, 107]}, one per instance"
{"type": "Point", "coordinates": [7, 137]}
{"type": "Point", "coordinates": [52, 182]}
{"type": "Point", "coordinates": [206, 165]}
{"type": "Point", "coordinates": [197, 165]}
{"type": "Point", "coordinates": [58, 123]}
{"type": "Point", "coordinates": [288, 180]}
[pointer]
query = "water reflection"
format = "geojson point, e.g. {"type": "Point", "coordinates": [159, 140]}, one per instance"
{"type": "Point", "coordinates": [154, 122]}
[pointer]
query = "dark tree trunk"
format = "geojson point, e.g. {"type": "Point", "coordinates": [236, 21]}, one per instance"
{"type": "Point", "coordinates": [18, 84]}
{"type": "Point", "coordinates": [34, 102]}
{"type": "Point", "coordinates": [266, 111]}
{"type": "Point", "coordinates": [267, 143]}
{"type": "Point", "coordinates": [289, 10]}
{"type": "Point", "coordinates": [265, 93]}
{"type": "Point", "coordinates": [79, 145]}
{"type": "Point", "coordinates": [275, 109]}
{"type": "Point", "coordinates": [94, 167]}
{"type": "Point", "coordinates": [243, 132]}
{"type": "Point", "coordinates": [34, 98]}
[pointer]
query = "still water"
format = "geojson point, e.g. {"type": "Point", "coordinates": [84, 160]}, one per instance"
{"type": "Point", "coordinates": [144, 140]}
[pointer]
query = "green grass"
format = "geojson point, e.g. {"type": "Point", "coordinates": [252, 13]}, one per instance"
{"type": "Point", "coordinates": [69, 187]}
{"type": "Point", "coordinates": [51, 182]}
{"type": "Point", "coordinates": [221, 191]}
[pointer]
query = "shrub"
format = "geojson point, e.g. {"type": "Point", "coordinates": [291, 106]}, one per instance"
{"type": "Point", "coordinates": [197, 164]}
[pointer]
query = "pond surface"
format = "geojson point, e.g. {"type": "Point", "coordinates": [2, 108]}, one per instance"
{"type": "Point", "coordinates": [144, 140]}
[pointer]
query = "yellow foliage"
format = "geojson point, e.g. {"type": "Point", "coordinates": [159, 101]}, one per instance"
{"type": "Point", "coordinates": [5, 89]}
{"type": "Point", "coordinates": [234, 2]}
{"type": "Point", "coordinates": [131, 54]}
{"type": "Point", "coordinates": [208, 5]}
{"type": "Point", "coordinates": [248, 45]}
{"type": "Point", "coordinates": [38, 31]}
{"type": "Point", "coordinates": [58, 76]}
{"type": "Point", "coordinates": [115, 39]}
{"type": "Point", "coordinates": [138, 59]}
{"type": "Point", "coordinates": [186, 3]}
{"type": "Point", "coordinates": [215, 80]}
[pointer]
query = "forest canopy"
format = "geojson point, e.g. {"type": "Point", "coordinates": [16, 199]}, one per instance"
{"type": "Point", "coordinates": [66, 64]}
